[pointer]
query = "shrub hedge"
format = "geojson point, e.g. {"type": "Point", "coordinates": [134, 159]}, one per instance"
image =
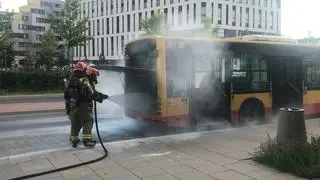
{"type": "Point", "coordinates": [30, 81]}
{"type": "Point", "coordinates": [301, 159]}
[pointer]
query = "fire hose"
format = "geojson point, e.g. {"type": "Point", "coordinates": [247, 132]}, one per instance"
{"type": "Point", "coordinates": [75, 165]}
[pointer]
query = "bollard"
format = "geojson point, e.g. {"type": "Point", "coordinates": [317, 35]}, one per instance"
{"type": "Point", "coordinates": [291, 125]}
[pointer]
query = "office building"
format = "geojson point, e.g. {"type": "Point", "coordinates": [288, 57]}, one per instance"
{"type": "Point", "coordinates": [29, 24]}
{"type": "Point", "coordinates": [115, 22]}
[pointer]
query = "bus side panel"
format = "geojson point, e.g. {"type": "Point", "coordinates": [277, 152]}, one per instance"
{"type": "Point", "coordinates": [238, 99]}
{"type": "Point", "coordinates": [311, 102]}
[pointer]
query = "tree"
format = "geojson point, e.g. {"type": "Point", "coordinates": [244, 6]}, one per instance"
{"type": "Point", "coordinates": [70, 29]}
{"type": "Point", "coordinates": [5, 38]}
{"type": "Point", "coordinates": [30, 60]}
{"type": "Point", "coordinates": [210, 28]}
{"type": "Point", "coordinates": [48, 53]}
{"type": "Point", "coordinates": [155, 25]}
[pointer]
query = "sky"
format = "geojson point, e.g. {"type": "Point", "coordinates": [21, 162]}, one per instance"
{"type": "Point", "coordinates": [297, 18]}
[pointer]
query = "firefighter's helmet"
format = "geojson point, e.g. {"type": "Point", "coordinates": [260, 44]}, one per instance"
{"type": "Point", "coordinates": [80, 66]}
{"type": "Point", "coordinates": [92, 71]}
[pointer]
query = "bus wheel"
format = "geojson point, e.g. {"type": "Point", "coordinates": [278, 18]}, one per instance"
{"type": "Point", "coordinates": [251, 112]}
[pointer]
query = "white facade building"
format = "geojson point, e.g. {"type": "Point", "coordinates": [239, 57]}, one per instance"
{"type": "Point", "coordinates": [115, 22]}
{"type": "Point", "coordinates": [30, 23]}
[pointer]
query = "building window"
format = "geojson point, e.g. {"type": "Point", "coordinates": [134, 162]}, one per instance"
{"type": "Point", "coordinates": [98, 27]}
{"type": "Point", "coordinates": [227, 14]}
{"type": "Point", "coordinates": [172, 16]}
{"type": "Point", "coordinates": [93, 47]}
{"type": "Point", "coordinates": [266, 19]}
{"type": "Point", "coordinates": [25, 18]}
{"type": "Point", "coordinates": [212, 10]}
{"type": "Point", "coordinates": [180, 15]}
{"type": "Point", "coordinates": [94, 28]}
{"type": "Point", "coordinates": [101, 5]}
{"type": "Point", "coordinates": [102, 46]}
{"type": "Point", "coordinates": [259, 18]}
{"type": "Point", "coordinates": [145, 4]}
{"type": "Point", "coordinates": [112, 25]}
{"type": "Point", "coordinates": [122, 24]}
{"type": "Point", "coordinates": [194, 13]}
{"type": "Point", "coordinates": [234, 13]}
{"type": "Point", "coordinates": [166, 15]}
{"type": "Point", "coordinates": [128, 23]}
{"type": "Point", "coordinates": [247, 17]}
{"type": "Point", "coordinates": [140, 19]}
{"type": "Point", "coordinates": [122, 7]}
{"type": "Point", "coordinates": [253, 2]}
{"type": "Point", "coordinates": [98, 47]}
{"type": "Point", "coordinates": [134, 22]}
{"type": "Point", "coordinates": [112, 46]}
{"type": "Point", "coordinates": [220, 13]}
{"type": "Point", "coordinates": [254, 18]}
{"type": "Point", "coordinates": [108, 25]}
{"type": "Point", "coordinates": [203, 12]}
{"type": "Point", "coordinates": [188, 14]}
{"type": "Point", "coordinates": [133, 5]}
{"type": "Point", "coordinates": [107, 8]}
{"type": "Point", "coordinates": [118, 24]}
{"type": "Point", "coordinates": [272, 21]}
{"type": "Point", "coordinates": [122, 44]}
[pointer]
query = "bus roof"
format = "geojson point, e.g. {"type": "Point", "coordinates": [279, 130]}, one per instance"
{"type": "Point", "coordinates": [272, 40]}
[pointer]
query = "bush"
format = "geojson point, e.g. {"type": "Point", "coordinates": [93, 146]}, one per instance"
{"type": "Point", "coordinates": [30, 82]}
{"type": "Point", "coordinates": [301, 159]}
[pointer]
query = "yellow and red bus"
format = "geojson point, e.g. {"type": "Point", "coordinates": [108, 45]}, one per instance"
{"type": "Point", "coordinates": [186, 80]}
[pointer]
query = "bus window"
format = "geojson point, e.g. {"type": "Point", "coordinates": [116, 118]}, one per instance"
{"type": "Point", "coordinates": [249, 73]}
{"type": "Point", "coordinates": [177, 73]}
{"type": "Point", "coordinates": [141, 54]}
{"type": "Point", "coordinates": [312, 77]}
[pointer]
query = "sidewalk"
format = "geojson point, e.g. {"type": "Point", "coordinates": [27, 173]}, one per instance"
{"type": "Point", "coordinates": [192, 156]}
{"type": "Point", "coordinates": [31, 107]}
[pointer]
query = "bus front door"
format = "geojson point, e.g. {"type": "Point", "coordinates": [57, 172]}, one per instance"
{"type": "Point", "coordinates": [286, 80]}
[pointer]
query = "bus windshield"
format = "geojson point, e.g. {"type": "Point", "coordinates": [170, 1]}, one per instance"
{"type": "Point", "coordinates": [140, 87]}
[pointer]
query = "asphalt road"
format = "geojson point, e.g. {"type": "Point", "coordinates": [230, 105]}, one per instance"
{"type": "Point", "coordinates": [20, 134]}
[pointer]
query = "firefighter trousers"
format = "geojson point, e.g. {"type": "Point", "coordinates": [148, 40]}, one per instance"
{"type": "Point", "coordinates": [81, 117]}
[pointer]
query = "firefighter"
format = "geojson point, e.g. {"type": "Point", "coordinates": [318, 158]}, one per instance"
{"type": "Point", "coordinates": [79, 95]}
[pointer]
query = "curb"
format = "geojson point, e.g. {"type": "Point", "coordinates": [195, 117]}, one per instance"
{"type": "Point", "coordinates": [30, 96]}
{"type": "Point", "coordinates": [31, 112]}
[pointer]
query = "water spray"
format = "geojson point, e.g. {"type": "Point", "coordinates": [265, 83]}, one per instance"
{"type": "Point", "coordinates": [106, 153]}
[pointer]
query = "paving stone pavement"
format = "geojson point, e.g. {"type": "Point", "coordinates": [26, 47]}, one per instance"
{"type": "Point", "coordinates": [204, 156]}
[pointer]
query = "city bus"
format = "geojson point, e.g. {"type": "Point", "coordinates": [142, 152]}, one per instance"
{"type": "Point", "coordinates": [182, 81]}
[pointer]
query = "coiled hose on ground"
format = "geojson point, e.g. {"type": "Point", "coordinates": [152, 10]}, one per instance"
{"type": "Point", "coordinates": [75, 165]}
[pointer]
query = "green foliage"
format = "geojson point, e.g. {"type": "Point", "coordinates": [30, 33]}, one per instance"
{"type": "Point", "coordinates": [302, 159]}
{"type": "Point", "coordinates": [210, 28]}
{"type": "Point", "coordinates": [30, 81]}
{"type": "Point", "coordinates": [49, 49]}
{"type": "Point", "coordinates": [155, 25]}
{"type": "Point", "coordinates": [68, 26]}
{"type": "Point", "coordinates": [5, 38]}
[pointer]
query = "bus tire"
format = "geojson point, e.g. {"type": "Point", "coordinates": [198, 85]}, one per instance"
{"type": "Point", "coordinates": [251, 111]}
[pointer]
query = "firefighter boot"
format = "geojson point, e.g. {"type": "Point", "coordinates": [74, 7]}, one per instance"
{"type": "Point", "coordinates": [74, 141]}
{"type": "Point", "coordinates": [89, 143]}
{"type": "Point", "coordinates": [71, 140]}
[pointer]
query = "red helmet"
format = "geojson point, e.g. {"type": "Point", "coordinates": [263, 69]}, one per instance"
{"type": "Point", "coordinates": [80, 66]}
{"type": "Point", "coordinates": [93, 71]}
